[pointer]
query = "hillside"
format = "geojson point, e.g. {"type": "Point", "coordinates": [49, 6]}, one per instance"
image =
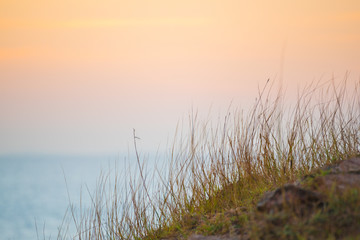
{"type": "Point", "coordinates": [274, 172]}
{"type": "Point", "coordinates": [321, 205]}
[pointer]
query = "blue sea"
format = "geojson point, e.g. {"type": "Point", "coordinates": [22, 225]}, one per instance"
{"type": "Point", "coordinates": [35, 190]}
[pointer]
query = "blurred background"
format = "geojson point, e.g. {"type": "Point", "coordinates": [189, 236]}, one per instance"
{"type": "Point", "coordinates": [76, 77]}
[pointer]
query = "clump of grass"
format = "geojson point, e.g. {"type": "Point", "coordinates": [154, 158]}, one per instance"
{"type": "Point", "coordinates": [217, 172]}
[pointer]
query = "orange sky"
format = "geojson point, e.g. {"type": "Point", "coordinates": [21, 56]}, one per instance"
{"type": "Point", "coordinates": [77, 76]}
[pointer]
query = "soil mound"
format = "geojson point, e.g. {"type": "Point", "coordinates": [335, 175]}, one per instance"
{"type": "Point", "coordinates": [306, 195]}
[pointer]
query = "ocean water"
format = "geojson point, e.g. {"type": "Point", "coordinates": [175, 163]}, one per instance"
{"type": "Point", "coordinates": [35, 191]}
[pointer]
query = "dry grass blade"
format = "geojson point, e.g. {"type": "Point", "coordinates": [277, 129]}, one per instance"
{"type": "Point", "coordinates": [228, 165]}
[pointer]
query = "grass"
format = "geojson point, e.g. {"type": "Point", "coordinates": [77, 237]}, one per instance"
{"type": "Point", "coordinates": [217, 173]}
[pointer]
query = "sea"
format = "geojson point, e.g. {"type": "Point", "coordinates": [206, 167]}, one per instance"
{"type": "Point", "coordinates": [36, 190]}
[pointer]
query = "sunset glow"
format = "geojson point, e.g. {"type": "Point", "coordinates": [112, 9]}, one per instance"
{"type": "Point", "coordinates": [78, 76]}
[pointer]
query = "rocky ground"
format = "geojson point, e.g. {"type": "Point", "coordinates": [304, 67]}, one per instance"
{"type": "Point", "coordinates": [303, 199]}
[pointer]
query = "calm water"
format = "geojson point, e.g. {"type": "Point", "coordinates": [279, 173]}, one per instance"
{"type": "Point", "coordinates": [33, 189]}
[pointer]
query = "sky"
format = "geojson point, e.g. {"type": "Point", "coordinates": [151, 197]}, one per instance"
{"type": "Point", "coordinates": [79, 76]}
